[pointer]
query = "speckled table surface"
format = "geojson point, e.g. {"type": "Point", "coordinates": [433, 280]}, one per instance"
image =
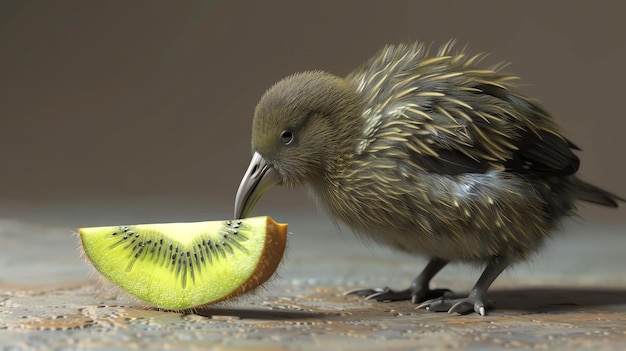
{"type": "Point", "coordinates": [571, 296]}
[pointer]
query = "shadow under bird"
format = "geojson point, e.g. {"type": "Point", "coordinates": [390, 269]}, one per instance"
{"type": "Point", "coordinates": [430, 154]}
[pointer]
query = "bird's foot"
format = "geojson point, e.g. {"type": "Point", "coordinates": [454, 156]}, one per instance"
{"type": "Point", "coordinates": [451, 305]}
{"type": "Point", "coordinates": [386, 294]}
{"type": "Point", "coordinates": [381, 294]}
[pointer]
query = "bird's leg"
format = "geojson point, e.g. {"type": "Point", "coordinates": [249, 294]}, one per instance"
{"type": "Point", "coordinates": [418, 291]}
{"type": "Point", "coordinates": [475, 300]}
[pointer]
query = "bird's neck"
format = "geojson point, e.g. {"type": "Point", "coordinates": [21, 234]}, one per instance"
{"type": "Point", "coordinates": [328, 186]}
{"type": "Point", "coordinates": [345, 123]}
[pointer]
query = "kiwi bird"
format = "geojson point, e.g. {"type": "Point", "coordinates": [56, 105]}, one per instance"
{"type": "Point", "coordinates": [428, 153]}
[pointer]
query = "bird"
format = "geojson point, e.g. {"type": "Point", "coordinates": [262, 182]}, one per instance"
{"type": "Point", "coordinates": [428, 152]}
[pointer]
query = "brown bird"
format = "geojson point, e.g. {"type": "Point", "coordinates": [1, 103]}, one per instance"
{"type": "Point", "coordinates": [428, 154]}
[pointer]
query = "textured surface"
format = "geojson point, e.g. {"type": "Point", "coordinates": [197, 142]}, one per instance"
{"type": "Point", "coordinates": [572, 296]}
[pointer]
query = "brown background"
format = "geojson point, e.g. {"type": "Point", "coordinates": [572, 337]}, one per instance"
{"type": "Point", "coordinates": [146, 105]}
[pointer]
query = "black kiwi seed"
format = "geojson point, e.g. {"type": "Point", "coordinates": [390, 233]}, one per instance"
{"type": "Point", "coordinates": [138, 253]}
{"type": "Point", "coordinates": [191, 273]}
{"type": "Point", "coordinates": [184, 264]}
{"type": "Point", "coordinates": [220, 249]}
{"type": "Point", "coordinates": [183, 276]}
{"type": "Point", "coordinates": [157, 257]}
{"type": "Point", "coordinates": [228, 248]}
{"type": "Point", "coordinates": [177, 266]}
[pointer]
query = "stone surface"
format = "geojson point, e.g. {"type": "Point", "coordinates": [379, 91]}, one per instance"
{"type": "Point", "coordinates": [571, 296]}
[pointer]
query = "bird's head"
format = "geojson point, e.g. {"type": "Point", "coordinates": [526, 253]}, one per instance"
{"type": "Point", "coordinates": [300, 125]}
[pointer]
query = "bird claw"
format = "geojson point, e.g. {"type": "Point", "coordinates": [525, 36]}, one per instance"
{"type": "Point", "coordinates": [362, 292]}
{"type": "Point", "coordinates": [426, 295]}
{"type": "Point", "coordinates": [462, 306]}
{"type": "Point", "coordinates": [380, 294]}
{"type": "Point", "coordinates": [386, 294]}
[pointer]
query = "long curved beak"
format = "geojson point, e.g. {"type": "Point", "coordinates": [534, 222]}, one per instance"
{"type": "Point", "coordinates": [258, 178]}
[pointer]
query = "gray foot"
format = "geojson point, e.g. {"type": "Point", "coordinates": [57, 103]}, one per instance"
{"type": "Point", "coordinates": [386, 294]}
{"type": "Point", "coordinates": [463, 306]}
{"type": "Point", "coordinates": [475, 300]}
{"type": "Point", "coordinates": [417, 292]}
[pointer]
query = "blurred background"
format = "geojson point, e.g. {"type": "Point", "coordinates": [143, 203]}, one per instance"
{"type": "Point", "coordinates": [141, 110]}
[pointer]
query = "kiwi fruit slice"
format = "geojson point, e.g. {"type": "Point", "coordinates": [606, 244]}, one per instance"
{"type": "Point", "coordinates": [177, 266]}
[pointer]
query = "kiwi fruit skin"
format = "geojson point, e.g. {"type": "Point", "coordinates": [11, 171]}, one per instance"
{"type": "Point", "coordinates": [181, 266]}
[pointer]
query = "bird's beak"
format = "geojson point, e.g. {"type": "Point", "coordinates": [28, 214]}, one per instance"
{"type": "Point", "coordinates": [258, 178]}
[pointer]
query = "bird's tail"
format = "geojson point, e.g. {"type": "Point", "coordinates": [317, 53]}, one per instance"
{"type": "Point", "coordinates": [591, 193]}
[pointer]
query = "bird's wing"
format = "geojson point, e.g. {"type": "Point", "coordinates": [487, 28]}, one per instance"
{"type": "Point", "coordinates": [452, 117]}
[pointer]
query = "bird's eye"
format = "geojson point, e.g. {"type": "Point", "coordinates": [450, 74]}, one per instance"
{"type": "Point", "coordinates": [286, 137]}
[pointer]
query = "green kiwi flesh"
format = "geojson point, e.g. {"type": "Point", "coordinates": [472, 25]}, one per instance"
{"type": "Point", "coordinates": [177, 266]}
